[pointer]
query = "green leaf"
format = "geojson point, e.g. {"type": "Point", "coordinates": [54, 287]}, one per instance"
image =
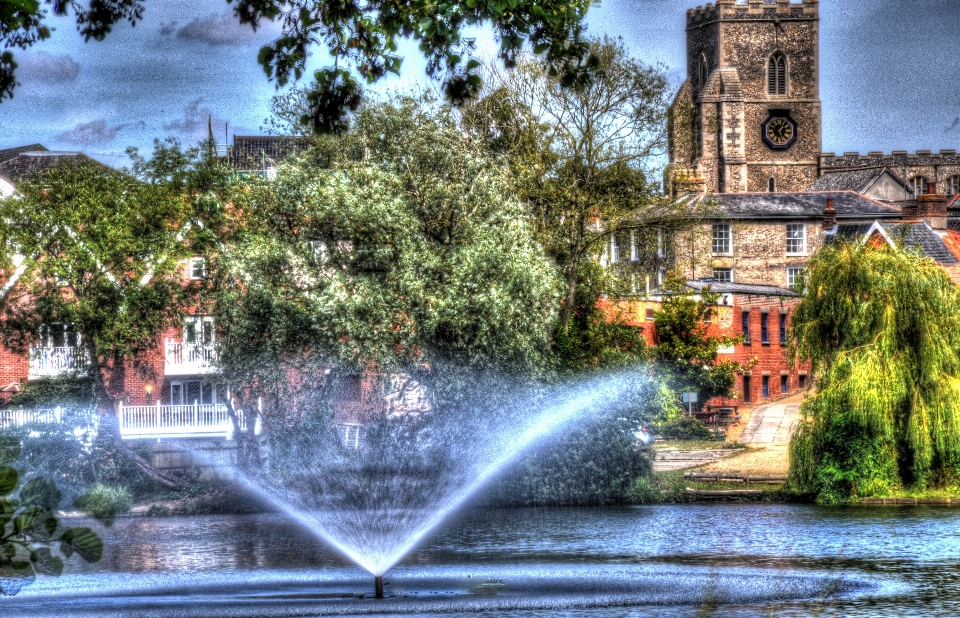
{"type": "Point", "coordinates": [8, 480]}
{"type": "Point", "coordinates": [84, 541]}
{"type": "Point", "coordinates": [46, 563]}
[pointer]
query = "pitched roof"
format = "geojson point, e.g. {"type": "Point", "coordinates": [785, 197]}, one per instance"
{"type": "Point", "coordinates": [260, 152]}
{"type": "Point", "coordinates": [28, 165]}
{"type": "Point", "coordinates": [805, 205]}
{"type": "Point", "coordinates": [11, 153]}
{"type": "Point", "coordinates": [911, 235]}
{"type": "Point", "coordinates": [853, 180]}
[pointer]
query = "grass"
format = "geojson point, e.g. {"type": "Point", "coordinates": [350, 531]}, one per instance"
{"type": "Point", "coordinates": [697, 445]}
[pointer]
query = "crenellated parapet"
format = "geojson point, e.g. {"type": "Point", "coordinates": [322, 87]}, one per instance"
{"type": "Point", "coordinates": [733, 10]}
{"type": "Point", "coordinates": [897, 158]}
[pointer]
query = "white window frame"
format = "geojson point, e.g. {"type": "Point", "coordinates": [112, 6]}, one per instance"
{"type": "Point", "coordinates": [204, 330]}
{"type": "Point", "coordinates": [661, 246]}
{"type": "Point", "coordinates": [924, 185]}
{"type": "Point", "coordinates": [634, 254]}
{"type": "Point", "coordinates": [614, 250]}
{"type": "Point", "coordinates": [792, 273]}
{"type": "Point", "coordinates": [215, 388]}
{"type": "Point", "coordinates": [727, 270]}
{"type": "Point", "coordinates": [728, 233]}
{"type": "Point", "coordinates": [803, 238]}
{"type": "Point", "coordinates": [69, 332]}
{"type": "Point", "coordinates": [192, 268]}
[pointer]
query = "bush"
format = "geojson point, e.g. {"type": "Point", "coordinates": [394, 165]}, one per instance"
{"type": "Point", "coordinates": [104, 502]}
{"type": "Point", "coordinates": [159, 510]}
{"type": "Point", "coordinates": [687, 428]}
{"type": "Point", "coordinates": [645, 491]}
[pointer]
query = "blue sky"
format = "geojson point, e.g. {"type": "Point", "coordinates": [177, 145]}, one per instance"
{"type": "Point", "coordinates": [890, 78]}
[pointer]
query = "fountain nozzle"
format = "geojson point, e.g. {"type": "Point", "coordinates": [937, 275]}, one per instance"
{"type": "Point", "coordinates": [378, 586]}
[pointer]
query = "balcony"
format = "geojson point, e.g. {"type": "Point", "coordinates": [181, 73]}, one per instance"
{"type": "Point", "coordinates": [188, 359]}
{"type": "Point", "coordinates": [179, 421]}
{"type": "Point", "coordinates": [51, 362]}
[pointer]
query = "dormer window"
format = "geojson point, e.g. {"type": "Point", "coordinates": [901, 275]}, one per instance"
{"type": "Point", "coordinates": [197, 268]}
{"type": "Point", "coordinates": [777, 74]}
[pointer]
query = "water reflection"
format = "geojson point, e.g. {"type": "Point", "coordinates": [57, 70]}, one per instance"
{"type": "Point", "coordinates": [908, 554]}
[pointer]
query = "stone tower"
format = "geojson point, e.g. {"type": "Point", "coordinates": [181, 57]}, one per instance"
{"type": "Point", "coordinates": [747, 118]}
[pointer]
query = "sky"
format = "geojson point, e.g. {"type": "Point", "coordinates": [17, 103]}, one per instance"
{"type": "Point", "coordinates": [889, 75]}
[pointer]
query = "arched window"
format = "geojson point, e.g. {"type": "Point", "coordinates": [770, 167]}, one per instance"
{"type": "Point", "coordinates": [919, 185]}
{"type": "Point", "coordinates": [772, 185]}
{"type": "Point", "coordinates": [704, 71]}
{"type": "Point", "coordinates": [952, 185]}
{"type": "Point", "coordinates": [777, 74]}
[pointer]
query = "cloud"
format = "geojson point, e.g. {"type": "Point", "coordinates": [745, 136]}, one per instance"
{"type": "Point", "coordinates": [219, 29]}
{"type": "Point", "coordinates": [168, 29]}
{"type": "Point", "coordinates": [193, 123]}
{"type": "Point", "coordinates": [956, 122]}
{"type": "Point", "coordinates": [45, 67]}
{"type": "Point", "coordinates": [94, 133]}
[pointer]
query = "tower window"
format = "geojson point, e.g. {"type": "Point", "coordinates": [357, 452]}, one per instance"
{"type": "Point", "coordinates": [772, 185]}
{"type": "Point", "coordinates": [704, 71]}
{"type": "Point", "coordinates": [919, 185]}
{"type": "Point", "coordinates": [777, 74]}
{"type": "Point", "coordinates": [952, 185]}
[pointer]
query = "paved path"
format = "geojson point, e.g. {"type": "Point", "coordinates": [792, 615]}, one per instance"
{"type": "Point", "coordinates": [773, 423]}
{"type": "Point", "coordinates": [678, 460]}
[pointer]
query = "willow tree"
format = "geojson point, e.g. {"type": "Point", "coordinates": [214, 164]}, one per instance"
{"type": "Point", "coordinates": [882, 330]}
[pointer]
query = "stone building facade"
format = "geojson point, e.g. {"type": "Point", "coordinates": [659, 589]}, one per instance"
{"type": "Point", "coordinates": [924, 171]}
{"type": "Point", "coordinates": [748, 117]}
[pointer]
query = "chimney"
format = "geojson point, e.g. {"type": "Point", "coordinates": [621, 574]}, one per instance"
{"type": "Point", "coordinates": [932, 208]}
{"type": "Point", "coordinates": [829, 215]}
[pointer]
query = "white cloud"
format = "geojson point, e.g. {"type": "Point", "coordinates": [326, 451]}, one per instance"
{"type": "Point", "coordinates": [219, 29]}
{"type": "Point", "coordinates": [45, 67]}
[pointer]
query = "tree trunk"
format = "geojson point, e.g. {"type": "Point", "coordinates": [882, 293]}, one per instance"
{"type": "Point", "coordinates": [573, 275]}
{"type": "Point", "coordinates": [110, 423]}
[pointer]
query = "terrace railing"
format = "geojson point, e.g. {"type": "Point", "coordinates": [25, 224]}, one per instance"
{"type": "Point", "coordinates": [190, 358]}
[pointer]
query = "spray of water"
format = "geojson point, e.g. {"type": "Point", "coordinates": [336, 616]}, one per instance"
{"type": "Point", "coordinates": [375, 508]}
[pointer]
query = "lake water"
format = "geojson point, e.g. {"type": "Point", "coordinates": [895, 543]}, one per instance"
{"type": "Point", "coordinates": [729, 560]}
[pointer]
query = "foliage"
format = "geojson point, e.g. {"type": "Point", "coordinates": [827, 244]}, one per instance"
{"type": "Point", "coordinates": [22, 25]}
{"type": "Point", "coordinates": [104, 502]}
{"type": "Point", "coordinates": [686, 353]}
{"type": "Point", "coordinates": [68, 391]}
{"type": "Point", "coordinates": [686, 428]}
{"type": "Point", "coordinates": [397, 245]}
{"type": "Point", "coordinates": [362, 41]}
{"type": "Point", "coordinates": [579, 156]}
{"type": "Point", "coordinates": [593, 465]}
{"type": "Point", "coordinates": [29, 530]}
{"type": "Point", "coordinates": [880, 327]}
{"type": "Point", "coordinates": [645, 491]}
{"type": "Point", "coordinates": [596, 337]}
{"type": "Point", "coordinates": [103, 253]}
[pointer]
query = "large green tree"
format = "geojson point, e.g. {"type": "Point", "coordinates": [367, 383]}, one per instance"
{"type": "Point", "coordinates": [398, 244]}
{"type": "Point", "coordinates": [685, 350]}
{"type": "Point", "coordinates": [881, 327]}
{"type": "Point", "coordinates": [583, 159]}
{"type": "Point", "coordinates": [101, 251]}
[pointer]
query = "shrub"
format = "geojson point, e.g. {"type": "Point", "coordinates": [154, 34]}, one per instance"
{"type": "Point", "coordinates": [645, 491]}
{"type": "Point", "coordinates": [687, 428]}
{"type": "Point", "coordinates": [105, 502]}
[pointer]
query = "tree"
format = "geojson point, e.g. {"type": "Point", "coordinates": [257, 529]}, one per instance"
{"type": "Point", "coordinates": [101, 250]}
{"type": "Point", "coordinates": [583, 159]}
{"type": "Point", "coordinates": [22, 25]}
{"type": "Point", "coordinates": [881, 328]}
{"type": "Point", "coordinates": [685, 350]}
{"type": "Point", "coordinates": [398, 245]}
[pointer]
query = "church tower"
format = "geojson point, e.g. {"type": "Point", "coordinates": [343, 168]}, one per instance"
{"type": "Point", "coordinates": [747, 118]}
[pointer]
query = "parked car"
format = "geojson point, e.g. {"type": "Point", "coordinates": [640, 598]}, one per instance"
{"type": "Point", "coordinates": [644, 436]}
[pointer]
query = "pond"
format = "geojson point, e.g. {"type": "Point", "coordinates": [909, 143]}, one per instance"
{"type": "Point", "coordinates": [692, 560]}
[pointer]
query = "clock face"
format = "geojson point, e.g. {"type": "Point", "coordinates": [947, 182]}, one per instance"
{"type": "Point", "coordinates": [779, 132]}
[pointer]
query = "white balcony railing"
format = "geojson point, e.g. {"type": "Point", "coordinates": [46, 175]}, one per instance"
{"type": "Point", "coordinates": [183, 359]}
{"type": "Point", "coordinates": [179, 421]}
{"type": "Point", "coordinates": [18, 418]}
{"type": "Point", "coordinates": [52, 362]}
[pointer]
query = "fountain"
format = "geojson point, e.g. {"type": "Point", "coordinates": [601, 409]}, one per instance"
{"type": "Point", "coordinates": [375, 503]}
